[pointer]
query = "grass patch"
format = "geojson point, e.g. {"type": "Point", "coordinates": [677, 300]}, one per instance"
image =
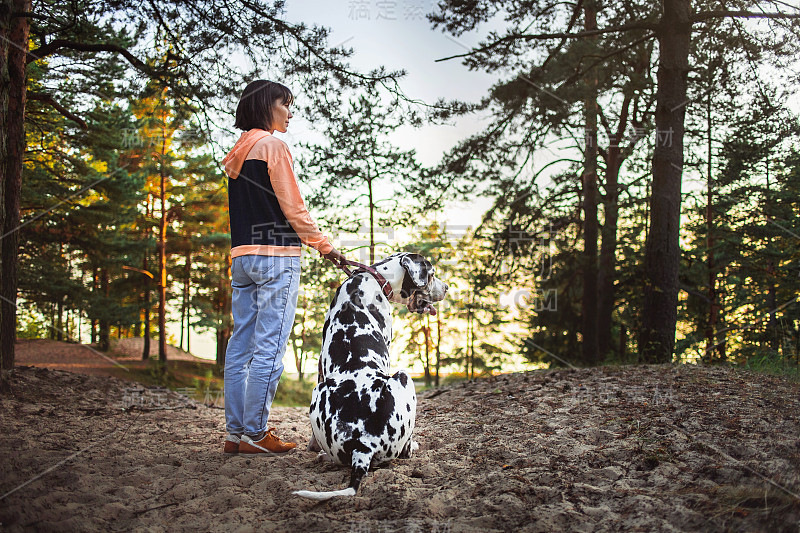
{"type": "Point", "coordinates": [773, 364]}
{"type": "Point", "coordinates": [172, 374]}
{"type": "Point", "coordinates": [446, 379]}
{"type": "Point", "coordinates": [293, 393]}
{"type": "Point", "coordinates": [204, 382]}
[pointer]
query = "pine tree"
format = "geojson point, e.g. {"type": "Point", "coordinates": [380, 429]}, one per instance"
{"type": "Point", "coordinates": [360, 164]}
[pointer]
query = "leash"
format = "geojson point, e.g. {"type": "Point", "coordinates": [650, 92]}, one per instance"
{"type": "Point", "coordinates": [383, 282]}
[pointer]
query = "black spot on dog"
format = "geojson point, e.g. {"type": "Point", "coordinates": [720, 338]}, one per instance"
{"type": "Point", "coordinates": [352, 353]}
{"type": "Point", "coordinates": [355, 446]}
{"type": "Point", "coordinates": [402, 377]}
{"type": "Point", "coordinates": [346, 314]}
{"type": "Point", "coordinates": [343, 429]}
{"type": "Point", "coordinates": [343, 457]}
{"type": "Point", "coordinates": [336, 296]}
{"type": "Point", "coordinates": [377, 315]}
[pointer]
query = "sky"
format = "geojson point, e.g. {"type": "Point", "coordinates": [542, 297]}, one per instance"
{"type": "Point", "coordinates": [396, 34]}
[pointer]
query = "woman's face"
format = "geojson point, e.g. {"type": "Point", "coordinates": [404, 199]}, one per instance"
{"type": "Point", "coordinates": [280, 116]}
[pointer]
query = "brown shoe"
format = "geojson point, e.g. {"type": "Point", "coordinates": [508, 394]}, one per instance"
{"type": "Point", "coordinates": [231, 444]}
{"type": "Point", "coordinates": [269, 444]}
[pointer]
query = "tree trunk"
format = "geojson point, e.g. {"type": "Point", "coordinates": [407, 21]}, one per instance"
{"type": "Point", "coordinates": [224, 307]}
{"type": "Point", "coordinates": [371, 223]}
{"type": "Point", "coordinates": [183, 308]}
{"type": "Point", "coordinates": [606, 275]}
{"type": "Point", "coordinates": [146, 305]}
{"type": "Point", "coordinates": [711, 323]}
{"type": "Point", "coordinates": [722, 344]}
{"type": "Point", "coordinates": [662, 250]}
{"type": "Point", "coordinates": [426, 329]}
{"type": "Point", "coordinates": [773, 340]}
{"type": "Point", "coordinates": [105, 325]}
{"type": "Point", "coordinates": [438, 346]}
{"type": "Point", "coordinates": [470, 364]}
{"type": "Point", "coordinates": [51, 330]}
{"type": "Point", "coordinates": [162, 260]}
{"type": "Point", "coordinates": [60, 320]}
{"type": "Point", "coordinates": [14, 36]}
{"type": "Point", "coordinates": [589, 305]}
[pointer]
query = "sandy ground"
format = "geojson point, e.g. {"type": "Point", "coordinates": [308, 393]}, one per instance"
{"type": "Point", "coordinates": [653, 448]}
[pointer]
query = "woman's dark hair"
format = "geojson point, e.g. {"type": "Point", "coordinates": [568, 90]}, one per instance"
{"type": "Point", "coordinates": [255, 105]}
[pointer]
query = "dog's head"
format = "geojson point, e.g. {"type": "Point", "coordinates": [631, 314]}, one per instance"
{"type": "Point", "coordinates": [413, 280]}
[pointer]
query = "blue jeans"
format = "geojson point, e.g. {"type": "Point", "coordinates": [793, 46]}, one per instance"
{"type": "Point", "coordinates": [264, 301]}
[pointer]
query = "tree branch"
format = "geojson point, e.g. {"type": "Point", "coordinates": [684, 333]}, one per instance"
{"type": "Point", "coordinates": [28, 14]}
{"type": "Point", "coordinates": [54, 46]}
{"type": "Point", "coordinates": [48, 99]}
{"type": "Point", "coordinates": [578, 75]}
{"type": "Point", "coordinates": [294, 32]}
{"type": "Point", "coordinates": [563, 35]}
{"type": "Point", "coordinates": [700, 17]}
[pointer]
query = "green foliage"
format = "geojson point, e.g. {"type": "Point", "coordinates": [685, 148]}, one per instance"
{"type": "Point", "coordinates": [293, 393]}
{"type": "Point", "coordinates": [768, 362]}
{"type": "Point", "coordinates": [753, 247]}
{"type": "Point", "coordinates": [77, 225]}
{"type": "Point", "coordinates": [30, 326]}
{"type": "Point", "coordinates": [368, 173]}
{"type": "Point", "coordinates": [88, 211]}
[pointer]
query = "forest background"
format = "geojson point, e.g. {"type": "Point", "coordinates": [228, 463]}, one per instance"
{"type": "Point", "coordinates": [635, 168]}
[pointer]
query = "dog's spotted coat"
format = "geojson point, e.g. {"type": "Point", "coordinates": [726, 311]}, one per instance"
{"type": "Point", "coordinates": [361, 414]}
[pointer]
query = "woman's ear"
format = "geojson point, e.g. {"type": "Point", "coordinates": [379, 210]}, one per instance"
{"type": "Point", "coordinates": [418, 269]}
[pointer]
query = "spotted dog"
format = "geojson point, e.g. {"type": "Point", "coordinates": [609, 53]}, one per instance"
{"type": "Point", "coordinates": [360, 413]}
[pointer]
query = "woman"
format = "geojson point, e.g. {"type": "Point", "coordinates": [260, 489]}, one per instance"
{"type": "Point", "coordinates": [269, 221]}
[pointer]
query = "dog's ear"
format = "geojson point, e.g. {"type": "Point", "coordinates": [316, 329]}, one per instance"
{"type": "Point", "coordinates": [418, 268]}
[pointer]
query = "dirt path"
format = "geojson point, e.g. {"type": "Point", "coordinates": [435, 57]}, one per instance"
{"type": "Point", "coordinates": [86, 359]}
{"type": "Point", "coordinates": [654, 448]}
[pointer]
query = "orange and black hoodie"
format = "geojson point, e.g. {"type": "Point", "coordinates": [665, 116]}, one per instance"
{"type": "Point", "coordinates": [267, 212]}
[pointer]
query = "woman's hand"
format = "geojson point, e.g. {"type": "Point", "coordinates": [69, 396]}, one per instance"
{"type": "Point", "coordinates": [336, 257]}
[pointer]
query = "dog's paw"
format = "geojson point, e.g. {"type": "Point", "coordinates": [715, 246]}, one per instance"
{"type": "Point", "coordinates": [323, 457]}
{"type": "Point", "coordinates": [409, 449]}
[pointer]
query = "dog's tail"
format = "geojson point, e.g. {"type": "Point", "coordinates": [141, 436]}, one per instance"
{"type": "Point", "coordinates": [359, 468]}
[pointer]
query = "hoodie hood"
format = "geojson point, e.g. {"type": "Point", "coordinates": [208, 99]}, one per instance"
{"type": "Point", "coordinates": [235, 159]}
